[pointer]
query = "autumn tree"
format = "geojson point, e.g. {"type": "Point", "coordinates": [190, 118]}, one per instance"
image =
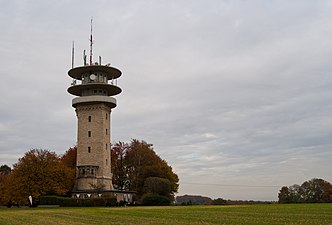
{"type": "Point", "coordinates": [141, 165]}
{"type": "Point", "coordinates": [37, 173]}
{"type": "Point", "coordinates": [69, 161]}
{"type": "Point", "coordinates": [69, 158]}
{"type": "Point", "coordinates": [4, 175]}
{"type": "Point", "coordinates": [118, 153]}
{"type": "Point", "coordinates": [157, 185]}
{"type": "Point", "coordinates": [316, 190]}
{"type": "Point", "coordinates": [311, 191]}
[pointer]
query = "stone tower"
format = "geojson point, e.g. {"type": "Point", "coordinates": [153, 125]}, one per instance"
{"type": "Point", "coordinates": [94, 84]}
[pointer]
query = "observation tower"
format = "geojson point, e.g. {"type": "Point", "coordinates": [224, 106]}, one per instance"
{"type": "Point", "coordinates": [94, 85]}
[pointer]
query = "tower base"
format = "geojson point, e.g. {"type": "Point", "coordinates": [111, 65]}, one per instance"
{"type": "Point", "coordinates": [121, 196]}
{"type": "Point", "coordinates": [93, 184]}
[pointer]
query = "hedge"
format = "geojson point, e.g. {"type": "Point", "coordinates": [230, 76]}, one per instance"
{"type": "Point", "coordinates": [69, 202]}
{"type": "Point", "coordinates": [153, 200]}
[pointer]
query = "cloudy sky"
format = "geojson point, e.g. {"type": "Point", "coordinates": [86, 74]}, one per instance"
{"type": "Point", "coordinates": [235, 95]}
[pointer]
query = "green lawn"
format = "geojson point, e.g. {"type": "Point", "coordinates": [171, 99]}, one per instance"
{"type": "Point", "coordinates": [245, 214]}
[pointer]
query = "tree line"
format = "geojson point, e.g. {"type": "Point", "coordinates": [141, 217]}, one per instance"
{"type": "Point", "coordinates": [312, 191]}
{"type": "Point", "coordinates": [135, 167]}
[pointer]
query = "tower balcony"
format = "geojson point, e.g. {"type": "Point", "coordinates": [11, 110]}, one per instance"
{"type": "Point", "coordinates": [110, 101]}
{"type": "Point", "coordinates": [110, 72]}
{"type": "Point", "coordinates": [92, 89]}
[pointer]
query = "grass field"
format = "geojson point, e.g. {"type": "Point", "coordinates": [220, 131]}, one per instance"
{"type": "Point", "coordinates": [245, 214]}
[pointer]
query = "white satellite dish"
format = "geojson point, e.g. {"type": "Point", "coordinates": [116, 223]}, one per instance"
{"type": "Point", "coordinates": [92, 77]}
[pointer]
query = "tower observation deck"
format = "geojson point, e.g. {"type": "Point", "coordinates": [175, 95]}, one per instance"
{"type": "Point", "coordinates": [94, 84]}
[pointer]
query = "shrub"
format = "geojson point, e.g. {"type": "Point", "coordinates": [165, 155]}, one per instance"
{"type": "Point", "coordinates": [50, 200]}
{"type": "Point", "coordinates": [82, 202]}
{"type": "Point", "coordinates": [153, 200]}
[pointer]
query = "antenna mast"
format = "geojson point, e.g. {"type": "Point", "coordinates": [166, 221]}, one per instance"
{"type": "Point", "coordinates": [72, 57]}
{"type": "Point", "coordinates": [91, 42]}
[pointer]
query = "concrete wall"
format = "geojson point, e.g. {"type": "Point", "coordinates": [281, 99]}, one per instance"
{"type": "Point", "coordinates": [94, 150]}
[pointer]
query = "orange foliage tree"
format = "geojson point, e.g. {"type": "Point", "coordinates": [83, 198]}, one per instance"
{"type": "Point", "coordinates": [37, 173]}
{"type": "Point", "coordinates": [140, 165]}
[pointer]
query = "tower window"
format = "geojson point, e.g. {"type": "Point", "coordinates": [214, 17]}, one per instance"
{"type": "Point", "coordinates": [106, 146]}
{"type": "Point", "coordinates": [106, 161]}
{"type": "Point", "coordinates": [89, 133]}
{"type": "Point", "coordinates": [89, 118]}
{"type": "Point", "coordinates": [106, 116]}
{"type": "Point", "coordinates": [89, 149]}
{"type": "Point", "coordinates": [106, 132]}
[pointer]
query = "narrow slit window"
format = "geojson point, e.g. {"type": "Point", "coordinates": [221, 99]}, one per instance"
{"type": "Point", "coordinates": [89, 118]}
{"type": "Point", "coordinates": [89, 149]}
{"type": "Point", "coordinates": [106, 146]}
{"type": "Point", "coordinates": [106, 132]}
{"type": "Point", "coordinates": [89, 133]}
{"type": "Point", "coordinates": [106, 116]}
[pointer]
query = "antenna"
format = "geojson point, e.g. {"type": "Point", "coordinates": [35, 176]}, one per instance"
{"type": "Point", "coordinates": [72, 56]}
{"type": "Point", "coordinates": [91, 42]}
{"type": "Point", "coordinates": [84, 57]}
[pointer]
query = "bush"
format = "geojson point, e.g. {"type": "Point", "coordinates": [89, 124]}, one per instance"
{"type": "Point", "coordinates": [82, 202]}
{"type": "Point", "coordinates": [154, 200]}
{"type": "Point", "coordinates": [67, 202]}
{"type": "Point", "coordinates": [50, 200]}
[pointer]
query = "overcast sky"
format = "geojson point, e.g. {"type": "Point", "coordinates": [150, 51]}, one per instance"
{"type": "Point", "coordinates": [235, 95]}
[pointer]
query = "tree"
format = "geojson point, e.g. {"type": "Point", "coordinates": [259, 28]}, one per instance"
{"type": "Point", "coordinates": [284, 195]}
{"type": "Point", "coordinates": [327, 192]}
{"type": "Point", "coordinates": [5, 170]}
{"type": "Point", "coordinates": [69, 158]}
{"type": "Point", "coordinates": [157, 185]}
{"type": "Point", "coordinates": [118, 153]}
{"type": "Point", "coordinates": [4, 175]}
{"type": "Point", "coordinates": [295, 193]}
{"type": "Point", "coordinates": [69, 161]}
{"type": "Point", "coordinates": [219, 201]}
{"type": "Point", "coordinates": [37, 173]}
{"type": "Point", "coordinates": [136, 163]}
{"type": "Point", "coordinates": [311, 191]}
{"type": "Point", "coordinates": [316, 190]}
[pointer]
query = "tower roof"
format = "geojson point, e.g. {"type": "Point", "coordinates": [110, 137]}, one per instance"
{"type": "Point", "coordinates": [111, 72]}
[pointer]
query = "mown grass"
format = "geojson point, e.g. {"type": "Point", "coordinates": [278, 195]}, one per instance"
{"type": "Point", "coordinates": [245, 214]}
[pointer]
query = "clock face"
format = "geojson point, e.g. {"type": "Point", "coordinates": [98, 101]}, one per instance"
{"type": "Point", "coordinates": [92, 77]}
